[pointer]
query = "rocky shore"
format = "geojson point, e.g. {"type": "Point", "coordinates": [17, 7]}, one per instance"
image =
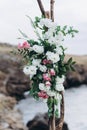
{"type": "Point", "coordinates": [13, 84]}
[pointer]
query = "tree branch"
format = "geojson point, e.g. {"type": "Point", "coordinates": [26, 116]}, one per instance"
{"type": "Point", "coordinates": [52, 9]}
{"type": "Point", "coordinates": [41, 7]}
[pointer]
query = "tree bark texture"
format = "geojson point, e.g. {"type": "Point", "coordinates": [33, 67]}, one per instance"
{"type": "Point", "coordinates": [61, 120]}
{"type": "Point", "coordinates": [52, 9]}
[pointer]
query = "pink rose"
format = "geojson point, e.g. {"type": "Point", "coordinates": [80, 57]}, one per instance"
{"type": "Point", "coordinates": [24, 45]}
{"type": "Point", "coordinates": [52, 72]}
{"type": "Point", "coordinates": [43, 94]}
{"type": "Point", "coordinates": [45, 61]}
{"type": "Point", "coordinates": [48, 83]}
{"type": "Point", "coordinates": [46, 77]}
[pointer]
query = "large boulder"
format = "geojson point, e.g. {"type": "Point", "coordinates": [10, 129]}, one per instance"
{"type": "Point", "coordinates": [10, 118]}
{"type": "Point", "coordinates": [17, 84]}
{"type": "Point", "coordinates": [40, 122]}
{"type": "Point", "coordinates": [77, 77]}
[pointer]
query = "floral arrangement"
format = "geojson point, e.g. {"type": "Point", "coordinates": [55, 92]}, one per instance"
{"type": "Point", "coordinates": [45, 61]}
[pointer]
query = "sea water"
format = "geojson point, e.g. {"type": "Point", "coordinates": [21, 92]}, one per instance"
{"type": "Point", "coordinates": [75, 108]}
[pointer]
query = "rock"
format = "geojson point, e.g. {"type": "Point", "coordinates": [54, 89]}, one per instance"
{"type": "Point", "coordinates": [40, 122]}
{"type": "Point", "coordinates": [3, 78]}
{"type": "Point", "coordinates": [10, 118]}
{"type": "Point", "coordinates": [77, 77]}
{"type": "Point", "coordinates": [17, 84]}
{"type": "Point", "coordinates": [13, 81]}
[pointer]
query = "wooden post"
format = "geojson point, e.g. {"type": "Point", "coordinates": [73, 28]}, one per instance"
{"type": "Point", "coordinates": [52, 119]}
{"type": "Point", "coordinates": [59, 124]}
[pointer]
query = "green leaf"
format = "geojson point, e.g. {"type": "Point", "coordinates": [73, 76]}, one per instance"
{"type": "Point", "coordinates": [70, 61]}
{"type": "Point", "coordinates": [56, 113]}
{"type": "Point", "coordinates": [23, 34]}
{"type": "Point", "coordinates": [56, 101]}
{"type": "Point", "coordinates": [32, 23]}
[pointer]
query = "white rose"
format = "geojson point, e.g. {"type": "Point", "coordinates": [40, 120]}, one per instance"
{"type": "Point", "coordinates": [26, 70]}
{"type": "Point", "coordinates": [51, 93]}
{"type": "Point", "coordinates": [41, 86]}
{"type": "Point", "coordinates": [36, 62]}
{"type": "Point", "coordinates": [51, 40]}
{"type": "Point", "coordinates": [59, 50]}
{"type": "Point", "coordinates": [60, 36]}
{"type": "Point", "coordinates": [59, 87]}
{"type": "Point", "coordinates": [38, 49]}
{"type": "Point", "coordinates": [46, 22]}
{"type": "Point", "coordinates": [54, 57]}
{"type": "Point", "coordinates": [47, 35]}
{"type": "Point", "coordinates": [42, 68]}
{"type": "Point", "coordinates": [30, 70]}
{"type": "Point", "coordinates": [60, 80]}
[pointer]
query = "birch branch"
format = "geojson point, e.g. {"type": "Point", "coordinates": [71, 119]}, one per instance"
{"type": "Point", "coordinates": [52, 9]}
{"type": "Point", "coordinates": [41, 7]}
{"type": "Point", "coordinates": [61, 120]}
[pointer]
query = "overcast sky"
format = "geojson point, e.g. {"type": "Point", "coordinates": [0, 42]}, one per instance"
{"type": "Point", "coordinates": [67, 12]}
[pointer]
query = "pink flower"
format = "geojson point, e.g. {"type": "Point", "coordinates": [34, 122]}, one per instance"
{"type": "Point", "coordinates": [52, 72]}
{"type": "Point", "coordinates": [45, 61]}
{"type": "Point", "coordinates": [43, 94]}
{"type": "Point", "coordinates": [24, 45]}
{"type": "Point", "coordinates": [48, 83]}
{"type": "Point", "coordinates": [46, 77]}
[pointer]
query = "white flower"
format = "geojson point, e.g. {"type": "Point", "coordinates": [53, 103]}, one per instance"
{"type": "Point", "coordinates": [58, 96]}
{"type": "Point", "coordinates": [47, 35]}
{"type": "Point", "coordinates": [59, 87]}
{"type": "Point", "coordinates": [60, 80]}
{"type": "Point", "coordinates": [54, 57]}
{"type": "Point", "coordinates": [51, 40]}
{"type": "Point", "coordinates": [46, 22]}
{"type": "Point", "coordinates": [42, 68]}
{"type": "Point", "coordinates": [60, 36]}
{"type": "Point", "coordinates": [47, 88]}
{"type": "Point", "coordinates": [36, 62]}
{"type": "Point", "coordinates": [59, 50]}
{"type": "Point", "coordinates": [41, 86]}
{"type": "Point", "coordinates": [38, 49]}
{"type": "Point", "coordinates": [51, 93]}
{"type": "Point", "coordinates": [30, 70]}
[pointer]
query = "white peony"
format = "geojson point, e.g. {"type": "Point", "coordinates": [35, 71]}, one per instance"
{"type": "Point", "coordinates": [59, 87]}
{"type": "Point", "coordinates": [36, 62]}
{"type": "Point", "coordinates": [38, 49]}
{"type": "Point", "coordinates": [30, 70]}
{"type": "Point", "coordinates": [54, 57]}
{"type": "Point", "coordinates": [42, 68]}
{"type": "Point", "coordinates": [42, 86]}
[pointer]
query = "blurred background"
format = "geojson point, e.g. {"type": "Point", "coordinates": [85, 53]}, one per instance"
{"type": "Point", "coordinates": [17, 108]}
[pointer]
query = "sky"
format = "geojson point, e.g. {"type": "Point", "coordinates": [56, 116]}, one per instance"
{"type": "Point", "coordinates": [67, 12]}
